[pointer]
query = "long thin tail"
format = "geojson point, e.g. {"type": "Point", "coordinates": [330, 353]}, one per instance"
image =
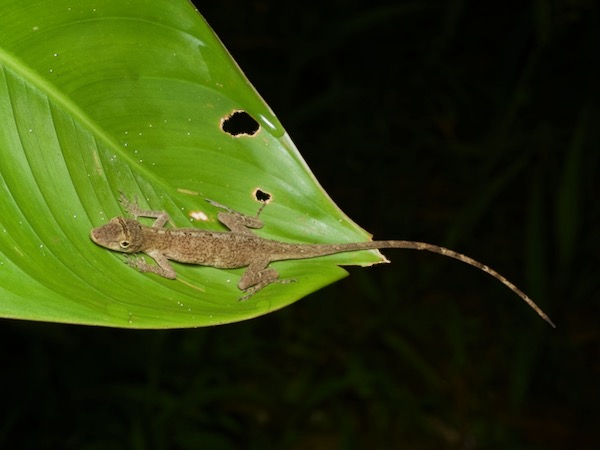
{"type": "Point", "coordinates": [441, 251]}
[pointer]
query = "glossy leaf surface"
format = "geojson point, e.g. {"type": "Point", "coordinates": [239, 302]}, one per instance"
{"type": "Point", "coordinates": [102, 97]}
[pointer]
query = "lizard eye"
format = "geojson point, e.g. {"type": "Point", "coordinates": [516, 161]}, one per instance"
{"type": "Point", "coordinates": [124, 244]}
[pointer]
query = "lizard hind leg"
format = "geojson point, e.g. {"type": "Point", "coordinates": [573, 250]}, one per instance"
{"type": "Point", "coordinates": [258, 276]}
{"type": "Point", "coordinates": [236, 221]}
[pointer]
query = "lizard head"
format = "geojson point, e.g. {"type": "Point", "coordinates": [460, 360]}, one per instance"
{"type": "Point", "coordinates": [120, 234]}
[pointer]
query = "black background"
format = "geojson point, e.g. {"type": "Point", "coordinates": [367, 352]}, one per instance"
{"type": "Point", "coordinates": [468, 124]}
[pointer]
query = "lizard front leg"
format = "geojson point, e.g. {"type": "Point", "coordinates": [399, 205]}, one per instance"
{"type": "Point", "coordinates": [258, 276]}
{"type": "Point", "coordinates": [163, 267]}
{"type": "Point", "coordinates": [134, 209]}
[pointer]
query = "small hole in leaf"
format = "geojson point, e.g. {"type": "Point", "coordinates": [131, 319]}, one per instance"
{"type": "Point", "coordinates": [262, 196]}
{"type": "Point", "coordinates": [240, 123]}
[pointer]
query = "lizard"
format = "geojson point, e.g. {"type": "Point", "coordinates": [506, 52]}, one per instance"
{"type": "Point", "coordinates": [239, 247]}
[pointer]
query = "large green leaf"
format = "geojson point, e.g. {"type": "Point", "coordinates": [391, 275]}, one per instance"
{"type": "Point", "coordinates": [98, 97]}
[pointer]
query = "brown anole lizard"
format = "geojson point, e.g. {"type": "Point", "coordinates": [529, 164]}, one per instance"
{"type": "Point", "coordinates": [239, 247]}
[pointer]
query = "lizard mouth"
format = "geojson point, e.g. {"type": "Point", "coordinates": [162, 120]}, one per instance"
{"type": "Point", "coordinates": [94, 236]}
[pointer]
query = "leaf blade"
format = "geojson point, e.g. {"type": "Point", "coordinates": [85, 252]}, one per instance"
{"type": "Point", "coordinates": [139, 111]}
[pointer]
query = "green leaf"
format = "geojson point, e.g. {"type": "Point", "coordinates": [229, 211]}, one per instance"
{"type": "Point", "coordinates": [102, 97]}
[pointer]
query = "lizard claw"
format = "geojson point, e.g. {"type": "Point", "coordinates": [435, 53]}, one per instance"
{"type": "Point", "coordinates": [220, 206]}
{"type": "Point", "coordinates": [124, 200]}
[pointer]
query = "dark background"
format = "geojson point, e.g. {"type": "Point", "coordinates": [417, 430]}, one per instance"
{"type": "Point", "coordinates": [463, 123]}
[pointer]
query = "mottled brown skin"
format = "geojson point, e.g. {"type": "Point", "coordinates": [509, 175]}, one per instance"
{"type": "Point", "coordinates": [238, 248]}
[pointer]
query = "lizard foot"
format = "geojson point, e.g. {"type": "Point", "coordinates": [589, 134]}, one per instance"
{"type": "Point", "coordinates": [131, 207]}
{"type": "Point", "coordinates": [249, 292]}
{"type": "Point", "coordinates": [221, 206]}
{"type": "Point", "coordinates": [137, 262]}
{"type": "Point", "coordinates": [233, 211]}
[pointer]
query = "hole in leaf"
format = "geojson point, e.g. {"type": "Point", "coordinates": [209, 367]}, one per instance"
{"type": "Point", "coordinates": [262, 196]}
{"type": "Point", "coordinates": [239, 123]}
